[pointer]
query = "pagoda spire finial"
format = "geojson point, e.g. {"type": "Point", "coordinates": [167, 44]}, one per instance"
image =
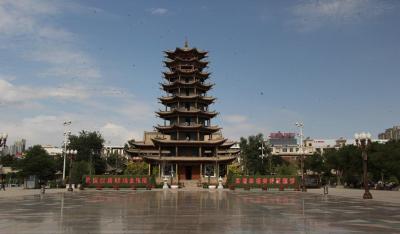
{"type": "Point", "coordinates": [186, 43]}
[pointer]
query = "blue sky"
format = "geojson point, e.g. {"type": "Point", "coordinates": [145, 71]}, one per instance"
{"type": "Point", "coordinates": [332, 64]}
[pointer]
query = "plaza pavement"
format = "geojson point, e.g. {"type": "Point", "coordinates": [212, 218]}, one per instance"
{"type": "Point", "coordinates": [377, 195]}
{"type": "Point", "coordinates": [19, 191]}
{"type": "Point", "coordinates": [182, 211]}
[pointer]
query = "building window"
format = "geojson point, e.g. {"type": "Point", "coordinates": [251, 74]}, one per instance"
{"type": "Point", "coordinates": [222, 170]}
{"type": "Point", "coordinates": [186, 67]}
{"type": "Point", "coordinates": [208, 170]}
{"type": "Point", "coordinates": [167, 169]}
{"type": "Point", "coordinates": [291, 149]}
{"type": "Point", "coordinates": [284, 149]}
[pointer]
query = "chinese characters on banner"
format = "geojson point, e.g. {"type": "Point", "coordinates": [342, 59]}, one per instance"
{"type": "Point", "coordinates": [266, 180]}
{"type": "Point", "coordinates": [115, 180]}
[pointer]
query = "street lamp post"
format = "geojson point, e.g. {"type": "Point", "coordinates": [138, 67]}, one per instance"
{"type": "Point", "coordinates": [264, 154]}
{"type": "Point", "coordinates": [300, 126]}
{"type": "Point", "coordinates": [71, 154]}
{"type": "Point", "coordinates": [92, 152]}
{"type": "Point", "coordinates": [363, 141]}
{"type": "Point", "coordinates": [66, 137]}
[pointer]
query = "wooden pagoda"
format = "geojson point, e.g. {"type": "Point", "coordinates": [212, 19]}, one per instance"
{"type": "Point", "coordinates": [186, 146]}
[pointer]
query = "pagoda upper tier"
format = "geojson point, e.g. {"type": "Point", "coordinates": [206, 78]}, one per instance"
{"type": "Point", "coordinates": [185, 127]}
{"type": "Point", "coordinates": [181, 64]}
{"type": "Point", "coordinates": [180, 98]}
{"type": "Point", "coordinates": [187, 84]}
{"type": "Point", "coordinates": [186, 53]}
{"type": "Point", "coordinates": [186, 112]}
{"type": "Point", "coordinates": [197, 74]}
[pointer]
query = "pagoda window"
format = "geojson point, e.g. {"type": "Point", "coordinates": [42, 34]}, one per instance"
{"type": "Point", "coordinates": [187, 106]}
{"type": "Point", "coordinates": [209, 170]}
{"type": "Point", "coordinates": [222, 170]}
{"type": "Point", "coordinates": [187, 92]}
{"type": "Point", "coordinates": [187, 79]}
{"type": "Point", "coordinates": [186, 67]}
{"type": "Point", "coordinates": [188, 137]}
{"type": "Point", "coordinates": [187, 121]}
{"type": "Point", "coordinates": [167, 169]}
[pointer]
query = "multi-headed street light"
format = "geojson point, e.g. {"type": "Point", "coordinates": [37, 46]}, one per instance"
{"type": "Point", "coordinates": [71, 154]}
{"type": "Point", "coordinates": [363, 141]}
{"type": "Point", "coordinates": [300, 125]}
{"type": "Point", "coordinates": [264, 153]}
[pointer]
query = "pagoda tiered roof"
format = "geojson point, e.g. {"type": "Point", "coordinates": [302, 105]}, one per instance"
{"type": "Point", "coordinates": [199, 54]}
{"type": "Point", "coordinates": [167, 142]}
{"type": "Point", "coordinates": [221, 159]}
{"type": "Point", "coordinates": [183, 111]}
{"type": "Point", "coordinates": [195, 72]}
{"type": "Point", "coordinates": [176, 98]}
{"type": "Point", "coordinates": [196, 63]}
{"type": "Point", "coordinates": [193, 84]}
{"type": "Point", "coordinates": [189, 135]}
{"type": "Point", "coordinates": [190, 127]}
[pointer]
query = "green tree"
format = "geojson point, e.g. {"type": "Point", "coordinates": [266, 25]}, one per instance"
{"type": "Point", "coordinates": [37, 162]}
{"type": "Point", "coordinates": [315, 163]}
{"type": "Point", "coordinates": [384, 161]}
{"type": "Point", "coordinates": [79, 169]}
{"type": "Point", "coordinates": [136, 168]}
{"type": "Point", "coordinates": [89, 146]}
{"type": "Point", "coordinates": [286, 169]}
{"type": "Point", "coordinates": [250, 153]}
{"type": "Point", "coordinates": [117, 162]}
{"type": "Point", "coordinates": [8, 160]}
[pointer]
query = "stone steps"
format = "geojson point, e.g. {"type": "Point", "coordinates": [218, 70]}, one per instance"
{"type": "Point", "coordinates": [190, 183]}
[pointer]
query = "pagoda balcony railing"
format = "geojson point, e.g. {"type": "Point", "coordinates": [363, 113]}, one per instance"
{"type": "Point", "coordinates": [188, 124]}
{"type": "Point", "coordinates": [188, 82]}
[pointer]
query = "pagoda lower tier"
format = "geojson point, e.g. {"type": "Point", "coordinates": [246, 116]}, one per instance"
{"type": "Point", "coordinates": [166, 157]}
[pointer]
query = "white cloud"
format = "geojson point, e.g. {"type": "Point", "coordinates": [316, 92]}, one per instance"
{"type": "Point", "coordinates": [53, 51]}
{"type": "Point", "coordinates": [236, 126]}
{"type": "Point", "coordinates": [235, 118]}
{"type": "Point", "coordinates": [311, 14]}
{"type": "Point", "coordinates": [47, 129]}
{"type": "Point", "coordinates": [158, 11]}
{"type": "Point", "coordinates": [118, 133]}
{"type": "Point", "coordinates": [11, 94]}
{"type": "Point", "coordinates": [18, 16]}
{"type": "Point", "coordinates": [45, 43]}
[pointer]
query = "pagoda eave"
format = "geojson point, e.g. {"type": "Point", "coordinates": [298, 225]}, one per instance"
{"type": "Point", "coordinates": [174, 74]}
{"type": "Point", "coordinates": [197, 84]}
{"type": "Point", "coordinates": [183, 128]}
{"type": "Point", "coordinates": [220, 159]}
{"type": "Point", "coordinates": [175, 98]}
{"type": "Point", "coordinates": [175, 113]}
{"type": "Point", "coordinates": [165, 142]}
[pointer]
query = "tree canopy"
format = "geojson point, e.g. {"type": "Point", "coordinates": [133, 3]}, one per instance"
{"type": "Point", "coordinates": [37, 162]}
{"type": "Point", "coordinates": [346, 163]}
{"type": "Point", "coordinates": [89, 146]}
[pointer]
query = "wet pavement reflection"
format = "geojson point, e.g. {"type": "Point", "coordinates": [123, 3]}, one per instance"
{"type": "Point", "coordinates": [195, 212]}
